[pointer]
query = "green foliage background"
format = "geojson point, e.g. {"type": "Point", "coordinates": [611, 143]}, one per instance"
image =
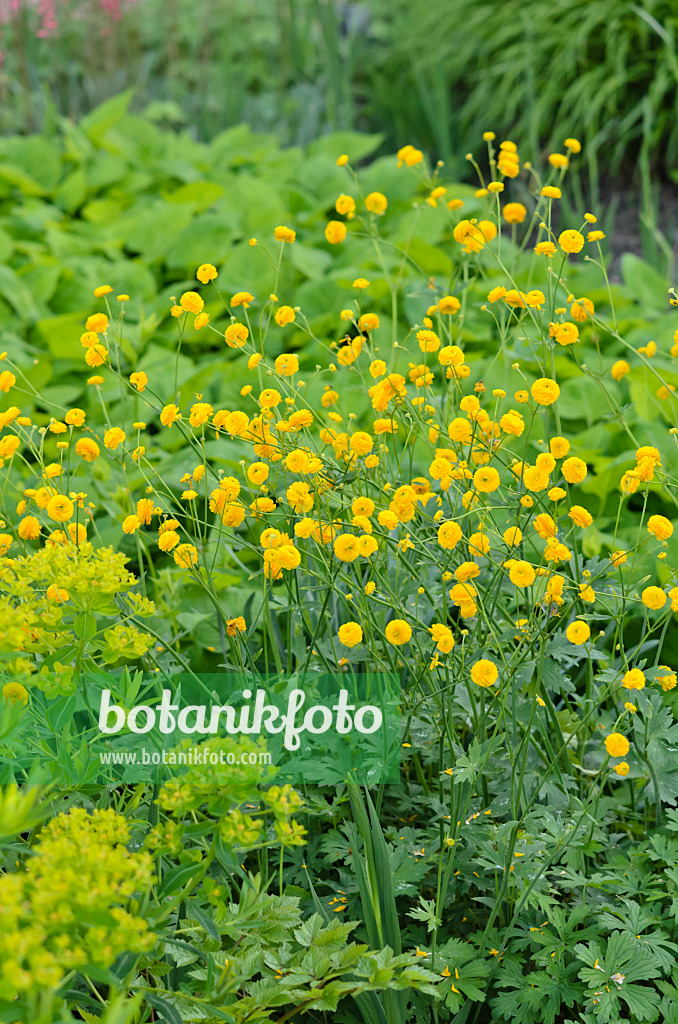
{"type": "Point", "coordinates": [434, 74]}
{"type": "Point", "coordinates": [137, 200]}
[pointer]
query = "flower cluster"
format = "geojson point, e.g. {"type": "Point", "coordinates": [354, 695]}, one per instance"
{"type": "Point", "coordinates": [69, 906]}
{"type": "Point", "coordinates": [450, 522]}
{"type": "Point", "coordinates": [44, 590]}
{"type": "Point", "coordinates": [222, 788]}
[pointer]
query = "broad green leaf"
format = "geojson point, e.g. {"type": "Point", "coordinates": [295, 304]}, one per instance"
{"type": "Point", "coordinates": [6, 246]}
{"type": "Point", "coordinates": [152, 232]}
{"type": "Point", "coordinates": [643, 282]}
{"type": "Point", "coordinates": [18, 294]}
{"type": "Point", "coordinates": [97, 123]}
{"type": "Point", "coordinates": [16, 177]}
{"type": "Point", "coordinates": [62, 333]}
{"type": "Point", "coordinates": [199, 195]}
{"type": "Point", "coordinates": [38, 157]}
{"type": "Point", "coordinates": [311, 262]}
{"type": "Point", "coordinates": [356, 144]}
{"type": "Point", "coordinates": [208, 238]}
{"type": "Point", "coordinates": [72, 191]}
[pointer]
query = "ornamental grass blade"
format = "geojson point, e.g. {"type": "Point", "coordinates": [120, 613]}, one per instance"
{"type": "Point", "coordinates": [371, 922]}
{"type": "Point", "coordinates": [376, 888]}
{"type": "Point", "coordinates": [387, 904]}
{"type": "Point", "coordinates": [371, 1010]}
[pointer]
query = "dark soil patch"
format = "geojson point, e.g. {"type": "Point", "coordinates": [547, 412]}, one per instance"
{"type": "Point", "coordinates": [651, 233]}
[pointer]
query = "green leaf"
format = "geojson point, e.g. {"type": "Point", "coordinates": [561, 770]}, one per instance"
{"type": "Point", "coordinates": [643, 282]}
{"type": "Point", "coordinates": [177, 877]}
{"type": "Point", "coordinates": [371, 1010]}
{"type": "Point", "coordinates": [426, 912]}
{"type": "Point", "coordinates": [313, 263]}
{"type": "Point", "coordinates": [62, 333]}
{"type": "Point", "coordinates": [59, 714]}
{"type": "Point", "coordinates": [37, 156]}
{"type": "Point", "coordinates": [21, 179]}
{"type": "Point", "coordinates": [91, 1018]}
{"type": "Point", "coordinates": [199, 195]}
{"type": "Point", "coordinates": [100, 974]}
{"type": "Point", "coordinates": [203, 919]}
{"type": "Point", "coordinates": [387, 904]}
{"type": "Point", "coordinates": [6, 246]}
{"type": "Point", "coordinates": [430, 258]}
{"type": "Point", "coordinates": [85, 625]}
{"type": "Point", "coordinates": [102, 118]}
{"type": "Point", "coordinates": [73, 190]}
{"type": "Point", "coordinates": [18, 294]}
{"type": "Point", "coordinates": [169, 1012]}
{"type": "Point", "coordinates": [152, 231]}
{"type": "Point", "coordinates": [642, 1002]}
{"type": "Point", "coordinates": [209, 237]}
{"type": "Point", "coordinates": [356, 144]}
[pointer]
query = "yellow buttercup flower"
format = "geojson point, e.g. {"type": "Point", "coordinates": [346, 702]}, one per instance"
{"type": "Point", "coordinates": [139, 380]}
{"type": "Point", "coordinates": [185, 555]}
{"type": "Point", "coordinates": [335, 232]}
{"type": "Point", "coordinates": [191, 302]}
{"type": "Point", "coordinates": [578, 632]}
{"type": "Point", "coordinates": [376, 202]}
{"type": "Point", "coordinates": [200, 413]}
{"type": "Point", "coordinates": [409, 156]}
{"type": "Point", "coordinates": [206, 272]}
{"type": "Point", "coordinates": [350, 634]}
{"type": "Point", "coordinates": [574, 470]}
{"type": "Point", "coordinates": [484, 673]}
{"type": "Point", "coordinates": [113, 438]}
{"type": "Point", "coordinates": [130, 524]}
{"type": "Point", "coordinates": [634, 679]}
{"type": "Point", "coordinates": [75, 417]}
{"type": "Point", "coordinates": [284, 234]}
{"type": "Point", "coordinates": [284, 315]}
{"type": "Point", "coordinates": [97, 323]}
{"type": "Point", "coordinates": [617, 745]}
{"type": "Point", "coordinates": [521, 574]}
{"type": "Point", "coordinates": [236, 335]}
{"type": "Point", "coordinates": [571, 241]}
{"type": "Point", "coordinates": [514, 213]}
{"type": "Point", "coordinates": [29, 528]}
{"type": "Point", "coordinates": [269, 398]}
{"type": "Point", "coordinates": [653, 598]}
{"type": "Point", "coordinates": [545, 391]}
{"type": "Point", "coordinates": [345, 206]}
{"type": "Point", "coordinates": [398, 632]}
{"type": "Point", "coordinates": [60, 508]}
{"type": "Point", "coordinates": [87, 449]}
{"type": "Point", "coordinates": [486, 480]}
{"type": "Point", "coordinates": [660, 527]}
